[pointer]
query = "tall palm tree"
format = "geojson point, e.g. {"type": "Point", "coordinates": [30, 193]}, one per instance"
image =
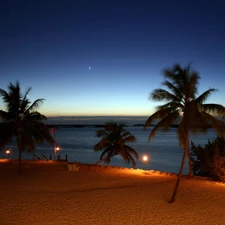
{"type": "Point", "coordinates": [113, 142]}
{"type": "Point", "coordinates": [22, 121]}
{"type": "Point", "coordinates": [182, 103]}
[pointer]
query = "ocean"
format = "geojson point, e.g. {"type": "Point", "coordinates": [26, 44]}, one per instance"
{"type": "Point", "coordinates": [163, 150]}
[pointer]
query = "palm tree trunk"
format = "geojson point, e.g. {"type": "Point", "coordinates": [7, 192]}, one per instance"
{"type": "Point", "coordinates": [20, 152]}
{"type": "Point", "coordinates": [20, 162]}
{"type": "Point", "coordinates": [190, 174]}
{"type": "Point", "coordinates": [173, 198]}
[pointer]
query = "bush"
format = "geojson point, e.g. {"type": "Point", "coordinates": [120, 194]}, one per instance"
{"type": "Point", "coordinates": [209, 161]}
{"type": "Point", "coordinates": [217, 169]}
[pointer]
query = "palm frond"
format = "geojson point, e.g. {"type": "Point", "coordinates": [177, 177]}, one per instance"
{"type": "Point", "coordinates": [107, 154]}
{"type": "Point", "coordinates": [164, 123]}
{"type": "Point", "coordinates": [160, 114]}
{"type": "Point", "coordinates": [213, 108]}
{"type": "Point", "coordinates": [34, 116]}
{"type": "Point", "coordinates": [171, 105]}
{"type": "Point", "coordinates": [131, 151]}
{"type": "Point", "coordinates": [193, 85]}
{"type": "Point", "coordinates": [127, 157]}
{"type": "Point", "coordinates": [24, 104]}
{"type": "Point", "coordinates": [127, 137]}
{"type": "Point", "coordinates": [173, 74]}
{"type": "Point", "coordinates": [41, 133]}
{"type": "Point", "coordinates": [6, 133]}
{"type": "Point", "coordinates": [174, 90]}
{"type": "Point", "coordinates": [202, 98]}
{"type": "Point", "coordinates": [27, 141]}
{"type": "Point", "coordinates": [4, 96]}
{"type": "Point", "coordinates": [26, 93]}
{"type": "Point", "coordinates": [4, 115]}
{"type": "Point", "coordinates": [217, 124]}
{"type": "Point", "coordinates": [35, 104]}
{"type": "Point", "coordinates": [104, 143]}
{"type": "Point", "coordinates": [101, 133]}
{"type": "Point", "coordinates": [113, 126]}
{"type": "Point", "coordinates": [125, 134]}
{"type": "Point", "coordinates": [201, 124]}
{"type": "Point", "coordinates": [163, 95]}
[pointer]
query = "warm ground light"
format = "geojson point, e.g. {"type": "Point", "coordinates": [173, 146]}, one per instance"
{"type": "Point", "coordinates": [48, 193]}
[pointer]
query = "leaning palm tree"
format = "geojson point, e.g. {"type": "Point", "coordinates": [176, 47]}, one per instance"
{"type": "Point", "coordinates": [182, 103]}
{"type": "Point", "coordinates": [21, 121]}
{"type": "Point", "coordinates": [113, 142]}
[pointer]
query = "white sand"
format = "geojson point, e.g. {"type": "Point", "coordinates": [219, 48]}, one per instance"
{"type": "Point", "coordinates": [48, 193]}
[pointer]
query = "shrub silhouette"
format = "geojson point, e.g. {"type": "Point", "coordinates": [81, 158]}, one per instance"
{"type": "Point", "coordinates": [209, 161]}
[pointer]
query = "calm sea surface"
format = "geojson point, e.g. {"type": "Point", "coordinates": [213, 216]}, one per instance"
{"type": "Point", "coordinates": [163, 150]}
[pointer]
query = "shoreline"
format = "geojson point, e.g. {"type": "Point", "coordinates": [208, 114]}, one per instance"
{"type": "Point", "coordinates": [77, 166]}
{"type": "Point", "coordinates": [88, 166]}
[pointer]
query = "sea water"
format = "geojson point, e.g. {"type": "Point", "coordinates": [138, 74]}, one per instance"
{"type": "Point", "coordinates": [163, 150]}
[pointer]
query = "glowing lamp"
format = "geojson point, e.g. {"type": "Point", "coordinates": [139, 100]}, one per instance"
{"type": "Point", "coordinates": [145, 158]}
{"type": "Point", "coordinates": [7, 152]}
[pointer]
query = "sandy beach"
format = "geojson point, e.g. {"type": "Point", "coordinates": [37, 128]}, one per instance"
{"type": "Point", "coordinates": [49, 193]}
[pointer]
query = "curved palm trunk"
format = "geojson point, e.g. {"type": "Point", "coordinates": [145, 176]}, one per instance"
{"type": "Point", "coordinates": [173, 198]}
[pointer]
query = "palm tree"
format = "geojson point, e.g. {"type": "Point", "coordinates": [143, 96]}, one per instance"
{"type": "Point", "coordinates": [113, 142]}
{"type": "Point", "coordinates": [22, 121]}
{"type": "Point", "coordinates": [182, 103]}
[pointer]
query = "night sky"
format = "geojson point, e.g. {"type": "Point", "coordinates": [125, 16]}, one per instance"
{"type": "Point", "coordinates": [98, 58]}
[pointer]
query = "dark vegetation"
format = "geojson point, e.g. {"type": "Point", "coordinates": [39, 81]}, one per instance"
{"type": "Point", "coordinates": [209, 161]}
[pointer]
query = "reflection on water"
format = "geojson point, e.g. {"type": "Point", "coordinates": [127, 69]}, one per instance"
{"type": "Point", "coordinates": [163, 150]}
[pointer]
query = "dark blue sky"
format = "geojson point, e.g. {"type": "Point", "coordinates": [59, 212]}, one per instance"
{"type": "Point", "coordinates": [89, 58]}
